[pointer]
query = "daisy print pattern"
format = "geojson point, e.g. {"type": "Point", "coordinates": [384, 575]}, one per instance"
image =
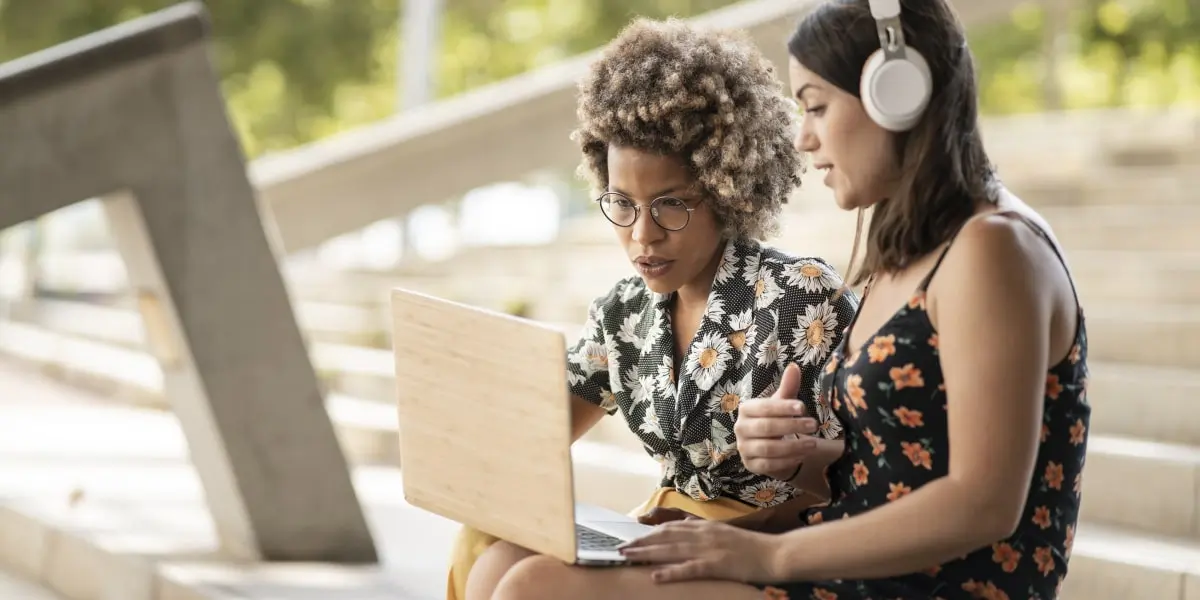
{"type": "Point", "coordinates": [763, 312]}
{"type": "Point", "coordinates": [814, 333]}
{"type": "Point", "coordinates": [708, 360]}
{"type": "Point", "coordinates": [812, 277]}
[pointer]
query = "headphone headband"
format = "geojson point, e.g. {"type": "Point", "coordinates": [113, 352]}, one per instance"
{"type": "Point", "coordinates": [896, 82]}
{"type": "Point", "coordinates": [885, 9]}
{"type": "Point", "coordinates": [891, 30]}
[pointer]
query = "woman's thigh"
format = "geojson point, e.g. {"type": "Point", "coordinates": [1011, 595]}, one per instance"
{"type": "Point", "coordinates": [544, 578]}
{"type": "Point", "coordinates": [490, 568]}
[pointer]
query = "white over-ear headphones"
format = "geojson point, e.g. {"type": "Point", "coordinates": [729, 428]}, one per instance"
{"type": "Point", "coordinates": [896, 83]}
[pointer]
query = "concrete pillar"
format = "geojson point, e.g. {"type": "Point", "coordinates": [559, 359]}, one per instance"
{"type": "Point", "coordinates": [134, 114]}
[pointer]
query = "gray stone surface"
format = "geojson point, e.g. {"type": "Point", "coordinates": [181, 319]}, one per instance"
{"type": "Point", "coordinates": [15, 588]}
{"type": "Point", "coordinates": [134, 114]}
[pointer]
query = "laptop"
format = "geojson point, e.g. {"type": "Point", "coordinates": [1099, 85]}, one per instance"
{"type": "Point", "coordinates": [485, 429]}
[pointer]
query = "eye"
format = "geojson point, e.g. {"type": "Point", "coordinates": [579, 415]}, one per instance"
{"type": "Point", "coordinates": [815, 111]}
{"type": "Point", "coordinates": [668, 202]}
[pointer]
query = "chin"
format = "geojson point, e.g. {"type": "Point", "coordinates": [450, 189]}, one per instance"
{"type": "Point", "coordinates": [850, 201]}
{"type": "Point", "coordinates": [844, 201]}
{"type": "Point", "coordinates": [659, 286]}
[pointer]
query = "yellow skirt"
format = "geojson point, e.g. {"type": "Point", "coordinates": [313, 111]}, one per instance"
{"type": "Point", "coordinates": [471, 543]}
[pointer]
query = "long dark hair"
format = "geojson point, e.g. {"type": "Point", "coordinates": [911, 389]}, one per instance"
{"type": "Point", "coordinates": [944, 170]}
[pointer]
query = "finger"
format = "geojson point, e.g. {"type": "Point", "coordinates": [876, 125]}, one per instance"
{"type": "Point", "coordinates": [789, 383]}
{"type": "Point", "coordinates": [771, 465]}
{"type": "Point", "coordinates": [773, 428]}
{"type": "Point", "coordinates": [685, 571]}
{"type": "Point", "coordinates": [661, 554]}
{"type": "Point", "coordinates": [794, 449]}
{"type": "Point", "coordinates": [770, 407]}
{"type": "Point", "coordinates": [667, 533]}
{"type": "Point", "coordinates": [659, 515]}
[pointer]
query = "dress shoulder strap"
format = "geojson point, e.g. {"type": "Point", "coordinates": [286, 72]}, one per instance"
{"type": "Point", "coordinates": [1011, 214]}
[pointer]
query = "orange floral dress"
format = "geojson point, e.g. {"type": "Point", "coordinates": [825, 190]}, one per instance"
{"type": "Point", "coordinates": [890, 398]}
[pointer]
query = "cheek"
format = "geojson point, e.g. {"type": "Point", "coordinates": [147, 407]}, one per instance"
{"type": "Point", "coordinates": [866, 156]}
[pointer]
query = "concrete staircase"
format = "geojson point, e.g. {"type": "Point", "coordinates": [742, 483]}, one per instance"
{"type": "Point", "coordinates": [1122, 210]}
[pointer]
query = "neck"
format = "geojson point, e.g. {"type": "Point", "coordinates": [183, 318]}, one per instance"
{"type": "Point", "coordinates": [694, 295]}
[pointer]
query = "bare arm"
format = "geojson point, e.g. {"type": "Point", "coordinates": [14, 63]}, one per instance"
{"type": "Point", "coordinates": [993, 340]}
{"type": "Point", "coordinates": [584, 416]}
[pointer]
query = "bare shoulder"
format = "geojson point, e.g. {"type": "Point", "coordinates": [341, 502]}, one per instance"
{"type": "Point", "coordinates": [1002, 247]}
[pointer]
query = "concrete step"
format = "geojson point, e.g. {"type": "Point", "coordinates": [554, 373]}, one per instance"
{"type": "Point", "coordinates": [1112, 563]}
{"type": "Point", "coordinates": [1108, 562]}
{"type": "Point", "coordinates": [1126, 227]}
{"type": "Point", "coordinates": [1145, 334]}
{"type": "Point", "coordinates": [118, 322]}
{"type": "Point", "coordinates": [1159, 187]}
{"type": "Point", "coordinates": [1117, 482]}
{"type": "Point", "coordinates": [1131, 228]}
{"type": "Point", "coordinates": [17, 588]}
{"type": "Point", "coordinates": [1113, 277]}
{"type": "Point", "coordinates": [1119, 469]}
{"type": "Point", "coordinates": [1143, 485]}
{"type": "Point", "coordinates": [366, 373]}
{"type": "Point", "coordinates": [1146, 402]}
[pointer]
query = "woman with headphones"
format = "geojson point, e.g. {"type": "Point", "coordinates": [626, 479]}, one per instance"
{"type": "Point", "coordinates": [960, 383]}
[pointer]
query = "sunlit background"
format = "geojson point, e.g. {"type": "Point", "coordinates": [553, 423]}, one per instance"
{"type": "Point", "coordinates": [1092, 113]}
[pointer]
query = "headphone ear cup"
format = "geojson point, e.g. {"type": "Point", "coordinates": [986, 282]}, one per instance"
{"type": "Point", "coordinates": [896, 92]}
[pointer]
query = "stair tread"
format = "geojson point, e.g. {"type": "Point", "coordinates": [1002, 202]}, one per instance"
{"type": "Point", "coordinates": [1130, 546]}
{"type": "Point", "coordinates": [1144, 371]}
{"type": "Point", "coordinates": [1143, 449]}
{"type": "Point", "coordinates": [1155, 312]}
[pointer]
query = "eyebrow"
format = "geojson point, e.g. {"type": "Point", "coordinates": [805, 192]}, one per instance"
{"type": "Point", "coordinates": [805, 88]}
{"type": "Point", "coordinates": [672, 189]}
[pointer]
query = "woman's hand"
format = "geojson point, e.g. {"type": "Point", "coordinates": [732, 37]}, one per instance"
{"type": "Point", "coordinates": [660, 515]}
{"type": "Point", "coordinates": [765, 426]}
{"type": "Point", "coordinates": [699, 549]}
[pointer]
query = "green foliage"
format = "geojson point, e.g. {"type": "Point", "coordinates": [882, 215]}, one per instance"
{"type": "Point", "coordinates": [298, 70]}
{"type": "Point", "coordinates": [1119, 53]}
{"type": "Point", "coordinates": [282, 61]}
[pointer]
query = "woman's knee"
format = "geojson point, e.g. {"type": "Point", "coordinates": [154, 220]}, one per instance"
{"type": "Point", "coordinates": [491, 566]}
{"type": "Point", "coordinates": [536, 578]}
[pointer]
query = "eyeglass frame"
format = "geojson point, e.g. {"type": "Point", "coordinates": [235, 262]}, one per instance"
{"type": "Point", "coordinates": [637, 209]}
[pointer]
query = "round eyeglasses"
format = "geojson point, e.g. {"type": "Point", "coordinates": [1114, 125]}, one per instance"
{"type": "Point", "coordinates": [668, 212]}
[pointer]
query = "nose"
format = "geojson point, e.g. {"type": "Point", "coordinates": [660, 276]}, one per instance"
{"type": "Point", "coordinates": [806, 138]}
{"type": "Point", "coordinates": [645, 230]}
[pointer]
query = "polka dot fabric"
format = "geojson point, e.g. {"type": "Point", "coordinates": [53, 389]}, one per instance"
{"type": "Point", "coordinates": [766, 309]}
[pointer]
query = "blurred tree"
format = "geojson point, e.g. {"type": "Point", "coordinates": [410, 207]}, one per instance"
{"type": "Point", "coordinates": [297, 70]}
{"type": "Point", "coordinates": [1134, 40]}
{"type": "Point", "coordinates": [288, 56]}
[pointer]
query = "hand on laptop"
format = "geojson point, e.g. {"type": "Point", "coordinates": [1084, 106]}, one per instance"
{"type": "Point", "coordinates": [658, 516]}
{"type": "Point", "coordinates": [700, 549]}
{"type": "Point", "coordinates": [774, 434]}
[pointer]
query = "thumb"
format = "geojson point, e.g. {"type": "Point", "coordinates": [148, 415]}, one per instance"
{"type": "Point", "coordinates": [789, 384]}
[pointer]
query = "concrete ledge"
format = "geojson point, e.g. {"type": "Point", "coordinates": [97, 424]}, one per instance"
{"type": "Point", "coordinates": [1146, 402]}
{"type": "Point", "coordinates": [18, 588]}
{"type": "Point", "coordinates": [99, 514]}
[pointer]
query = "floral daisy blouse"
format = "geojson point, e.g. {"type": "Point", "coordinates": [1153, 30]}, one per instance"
{"type": "Point", "coordinates": [766, 309]}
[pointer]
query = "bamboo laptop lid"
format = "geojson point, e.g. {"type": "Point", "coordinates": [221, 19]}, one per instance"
{"type": "Point", "coordinates": [485, 421]}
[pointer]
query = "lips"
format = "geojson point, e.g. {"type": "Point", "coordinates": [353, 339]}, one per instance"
{"type": "Point", "coordinates": [652, 267]}
{"type": "Point", "coordinates": [650, 261]}
{"type": "Point", "coordinates": [825, 168]}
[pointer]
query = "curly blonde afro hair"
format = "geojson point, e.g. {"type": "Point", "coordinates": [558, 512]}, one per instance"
{"type": "Point", "coordinates": [710, 98]}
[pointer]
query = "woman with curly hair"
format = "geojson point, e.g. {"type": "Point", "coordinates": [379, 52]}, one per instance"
{"type": "Point", "coordinates": [686, 137]}
{"type": "Point", "coordinates": [961, 383]}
